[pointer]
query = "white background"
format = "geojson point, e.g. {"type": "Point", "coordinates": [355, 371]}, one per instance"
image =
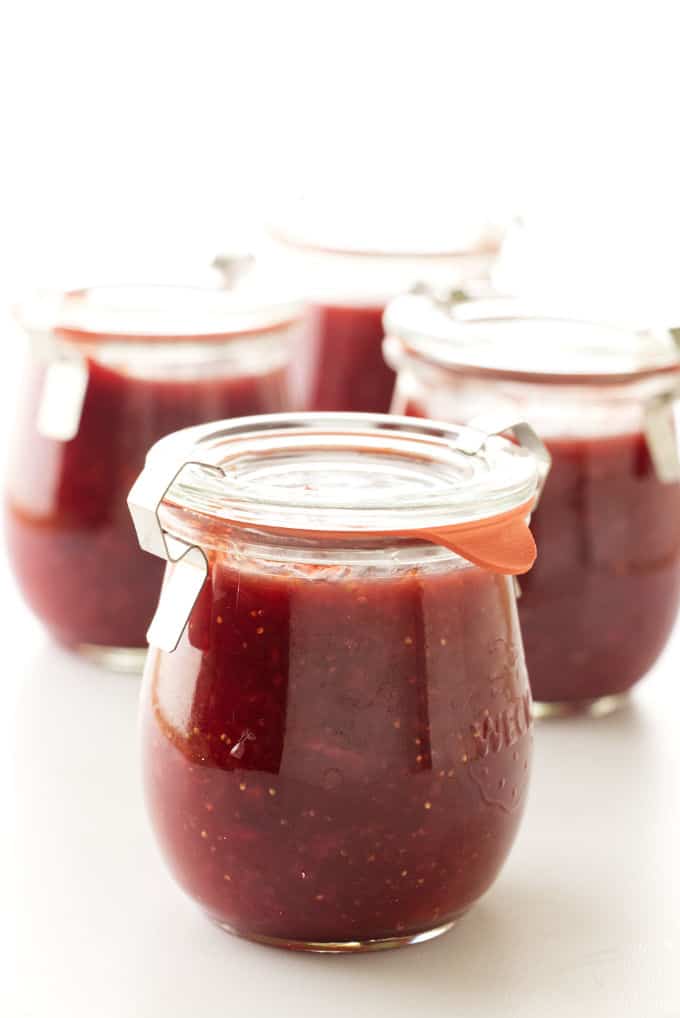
{"type": "Point", "coordinates": [147, 133]}
{"type": "Point", "coordinates": [139, 135]}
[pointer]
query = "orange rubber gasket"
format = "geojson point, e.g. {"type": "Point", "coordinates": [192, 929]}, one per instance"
{"type": "Point", "coordinates": [500, 544]}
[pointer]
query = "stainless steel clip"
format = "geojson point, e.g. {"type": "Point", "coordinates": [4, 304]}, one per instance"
{"type": "Point", "coordinates": [64, 387]}
{"type": "Point", "coordinates": [661, 433]}
{"type": "Point", "coordinates": [473, 437]}
{"type": "Point", "coordinates": [188, 565]}
{"type": "Point", "coordinates": [233, 265]}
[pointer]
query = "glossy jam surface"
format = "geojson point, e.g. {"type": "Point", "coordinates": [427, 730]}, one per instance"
{"type": "Point", "coordinates": [345, 369]}
{"type": "Point", "coordinates": [599, 605]}
{"type": "Point", "coordinates": [333, 757]}
{"type": "Point", "coordinates": [70, 537]}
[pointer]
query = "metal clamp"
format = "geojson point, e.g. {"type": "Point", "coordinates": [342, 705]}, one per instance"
{"type": "Point", "coordinates": [473, 437]}
{"type": "Point", "coordinates": [233, 265]}
{"type": "Point", "coordinates": [445, 298]}
{"type": "Point", "coordinates": [64, 387]}
{"type": "Point", "coordinates": [661, 434]}
{"type": "Point", "coordinates": [188, 564]}
{"type": "Point", "coordinates": [450, 298]}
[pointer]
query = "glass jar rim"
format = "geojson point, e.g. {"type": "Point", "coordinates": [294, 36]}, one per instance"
{"type": "Point", "coordinates": [348, 473]}
{"type": "Point", "coordinates": [505, 338]}
{"type": "Point", "coordinates": [156, 312]}
{"type": "Point", "coordinates": [485, 240]}
{"type": "Point", "coordinates": [339, 272]}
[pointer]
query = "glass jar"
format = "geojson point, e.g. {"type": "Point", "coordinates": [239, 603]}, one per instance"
{"type": "Point", "coordinates": [600, 605]}
{"type": "Point", "coordinates": [347, 283]}
{"type": "Point", "coordinates": [111, 370]}
{"type": "Point", "coordinates": [336, 750]}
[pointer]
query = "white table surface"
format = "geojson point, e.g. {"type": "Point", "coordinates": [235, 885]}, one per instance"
{"type": "Point", "coordinates": [584, 920]}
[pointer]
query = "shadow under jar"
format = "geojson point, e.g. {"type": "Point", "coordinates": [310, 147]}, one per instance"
{"type": "Point", "coordinates": [111, 370]}
{"type": "Point", "coordinates": [347, 284]}
{"type": "Point", "coordinates": [600, 605]}
{"type": "Point", "coordinates": [336, 752]}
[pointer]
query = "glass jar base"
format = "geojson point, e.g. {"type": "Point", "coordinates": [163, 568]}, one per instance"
{"type": "Point", "coordinates": [127, 660]}
{"type": "Point", "coordinates": [599, 707]}
{"type": "Point", "coordinates": [345, 946]}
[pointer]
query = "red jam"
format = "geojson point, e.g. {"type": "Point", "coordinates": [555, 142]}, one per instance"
{"type": "Point", "coordinates": [347, 369]}
{"type": "Point", "coordinates": [338, 758]}
{"type": "Point", "coordinates": [70, 538]}
{"type": "Point", "coordinates": [599, 605]}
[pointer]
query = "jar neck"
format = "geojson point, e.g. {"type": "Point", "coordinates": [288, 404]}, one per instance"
{"type": "Point", "coordinates": [291, 552]}
{"type": "Point", "coordinates": [553, 409]}
{"type": "Point", "coordinates": [193, 357]}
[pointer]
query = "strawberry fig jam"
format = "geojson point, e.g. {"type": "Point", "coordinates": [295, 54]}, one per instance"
{"type": "Point", "coordinates": [347, 370]}
{"type": "Point", "coordinates": [336, 753]}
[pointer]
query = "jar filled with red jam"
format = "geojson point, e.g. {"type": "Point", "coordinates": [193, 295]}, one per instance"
{"type": "Point", "coordinates": [347, 281]}
{"type": "Point", "coordinates": [600, 605]}
{"type": "Point", "coordinates": [111, 370]}
{"type": "Point", "coordinates": [336, 745]}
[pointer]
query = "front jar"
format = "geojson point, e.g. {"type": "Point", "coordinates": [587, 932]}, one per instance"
{"type": "Point", "coordinates": [336, 753]}
{"type": "Point", "coordinates": [111, 370]}
{"type": "Point", "coordinates": [598, 608]}
{"type": "Point", "coordinates": [348, 282]}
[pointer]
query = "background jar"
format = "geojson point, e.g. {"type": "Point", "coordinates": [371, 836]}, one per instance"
{"type": "Point", "coordinates": [600, 605]}
{"type": "Point", "coordinates": [111, 370]}
{"type": "Point", "coordinates": [336, 753]}
{"type": "Point", "coordinates": [347, 282]}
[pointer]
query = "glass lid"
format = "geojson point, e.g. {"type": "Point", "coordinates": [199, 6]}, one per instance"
{"type": "Point", "coordinates": [368, 251]}
{"type": "Point", "coordinates": [159, 311]}
{"type": "Point", "coordinates": [338, 473]}
{"type": "Point", "coordinates": [506, 337]}
{"type": "Point", "coordinates": [382, 219]}
{"type": "Point", "coordinates": [391, 239]}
